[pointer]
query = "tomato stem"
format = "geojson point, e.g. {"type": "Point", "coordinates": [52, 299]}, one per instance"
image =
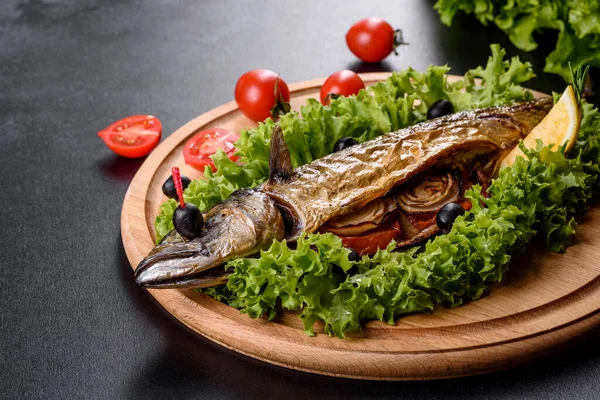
{"type": "Point", "coordinates": [178, 185]}
{"type": "Point", "coordinates": [329, 97]}
{"type": "Point", "coordinates": [398, 40]}
{"type": "Point", "coordinates": [281, 107]}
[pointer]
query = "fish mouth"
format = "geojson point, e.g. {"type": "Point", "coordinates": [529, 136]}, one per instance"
{"type": "Point", "coordinates": [197, 281]}
{"type": "Point", "coordinates": [178, 265]}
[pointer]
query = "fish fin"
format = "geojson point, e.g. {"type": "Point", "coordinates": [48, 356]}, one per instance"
{"type": "Point", "coordinates": [280, 162]}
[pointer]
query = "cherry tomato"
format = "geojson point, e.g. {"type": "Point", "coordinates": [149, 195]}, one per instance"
{"type": "Point", "coordinates": [341, 83]}
{"type": "Point", "coordinates": [256, 97]}
{"type": "Point", "coordinates": [133, 136]}
{"type": "Point", "coordinates": [198, 149]}
{"type": "Point", "coordinates": [368, 243]}
{"type": "Point", "coordinates": [372, 39]}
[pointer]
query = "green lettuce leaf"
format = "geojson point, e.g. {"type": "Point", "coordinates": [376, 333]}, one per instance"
{"type": "Point", "coordinates": [577, 51]}
{"type": "Point", "coordinates": [584, 17]}
{"type": "Point", "coordinates": [501, 81]}
{"type": "Point", "coordinates": [578, 23]}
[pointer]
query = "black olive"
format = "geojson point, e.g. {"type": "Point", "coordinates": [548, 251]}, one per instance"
{"type": "Point", "coordinates": [168, 188]}
{"type": "Point", "coordinates": [344, 143]}
{"type": "Point", "coordinates": [353, 256]}
{"type": "Point", "coordinates": [439, 109]}
{"type": "Point", "coordinates": [447, 215]}
{"type": "Point", "coordinates": [188, 221]}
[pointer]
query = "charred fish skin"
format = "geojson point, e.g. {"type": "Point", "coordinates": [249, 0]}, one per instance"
{"type": "Point", "coordinates": [343, 182]}
{"type": "Point", "coordinates": [238, 227]}
{"type": "Point", "coordinates": [303, 200]}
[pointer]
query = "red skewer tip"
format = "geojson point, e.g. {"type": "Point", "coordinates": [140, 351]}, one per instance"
{"type": "Point", "coordinates": [178, 185]}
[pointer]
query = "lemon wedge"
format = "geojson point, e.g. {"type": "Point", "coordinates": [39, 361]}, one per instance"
{"type": "Point", "coordinates": [560, 126]}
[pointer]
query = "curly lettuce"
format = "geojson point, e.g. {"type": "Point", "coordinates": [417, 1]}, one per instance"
{"type": "Point", "coordinates": [537, 195]}
{"type": "Point", "coordinates": [577, 21]}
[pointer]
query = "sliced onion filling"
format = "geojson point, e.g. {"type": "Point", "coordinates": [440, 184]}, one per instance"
{"type": "Point", "coordinates": [414, 205]}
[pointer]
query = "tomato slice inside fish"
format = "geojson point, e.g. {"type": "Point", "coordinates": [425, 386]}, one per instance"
{"type": "Point", "coordinates": [369, 243]}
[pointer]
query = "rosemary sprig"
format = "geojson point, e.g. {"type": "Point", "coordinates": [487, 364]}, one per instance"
{"type": "Point", "coordinates": [578, 79]}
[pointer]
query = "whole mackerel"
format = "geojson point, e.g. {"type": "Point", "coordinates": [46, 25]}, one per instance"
{"type": "Point", "coordinates": [292, 202]}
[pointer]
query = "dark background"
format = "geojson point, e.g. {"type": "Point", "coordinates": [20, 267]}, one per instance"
{"type": "Point", "coordinates": [72, 322]}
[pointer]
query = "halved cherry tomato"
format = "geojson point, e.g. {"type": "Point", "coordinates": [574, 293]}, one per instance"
{"type": "Point", "coordinates": [379, 239]}
{"type": "Point", "coordinates": [198, 149]}
{"type": "Point", "coordinates": [258, 97]}
{"type": "Point", "coordinates": [341, 83]}
{"type": "Point", "coordinates": [133, 136]}
{"type": "Point", "coordinates": [372, 39]}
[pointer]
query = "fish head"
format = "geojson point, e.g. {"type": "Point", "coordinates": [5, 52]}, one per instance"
{"type": "Point", "coordinates": [238, 227]}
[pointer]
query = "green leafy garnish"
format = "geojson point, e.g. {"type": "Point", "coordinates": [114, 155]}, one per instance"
{"type": "Point", "coordinates": [578, 80]}
{"type": "Point", "coordinates": [578, 24]}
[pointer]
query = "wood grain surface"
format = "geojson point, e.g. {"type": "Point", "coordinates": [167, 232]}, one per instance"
{"type": "Point", "coordinates": [545, 299]}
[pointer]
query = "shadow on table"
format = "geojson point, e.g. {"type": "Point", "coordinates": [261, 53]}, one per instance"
{"type": "Point", "coordinates": [361, 67]}
{"type": "Point", "coordinates": [119, 168]}
{"type": "Point", "coordinates": [191, 365]}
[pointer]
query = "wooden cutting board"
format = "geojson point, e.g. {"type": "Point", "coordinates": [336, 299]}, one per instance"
{"type": "Point", "coordinates": [545, 300]}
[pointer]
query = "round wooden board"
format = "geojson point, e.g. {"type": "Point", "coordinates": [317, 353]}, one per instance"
{"type": "Point", "coordinates": [545, 299]}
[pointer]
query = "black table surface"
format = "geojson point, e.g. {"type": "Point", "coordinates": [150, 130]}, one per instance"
{"type": "Point", "coordinates": [73, 324]}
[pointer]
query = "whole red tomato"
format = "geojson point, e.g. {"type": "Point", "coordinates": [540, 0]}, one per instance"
{"type": "Point", "coordinates": [259, 98]}
{"type": "Point", "coordinates": [341, 83]}
{"type": "Point", "coordinates": [372, 39]}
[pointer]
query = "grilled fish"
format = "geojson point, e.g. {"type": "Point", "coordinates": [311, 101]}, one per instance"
{"type": "Point", "coordinates": [394, 183]}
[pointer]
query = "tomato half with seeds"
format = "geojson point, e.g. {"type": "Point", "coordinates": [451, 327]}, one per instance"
{"type": "Point", "coordinates": [198, 149]}
{"type": "Point", "coordinates": [134, 136]}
